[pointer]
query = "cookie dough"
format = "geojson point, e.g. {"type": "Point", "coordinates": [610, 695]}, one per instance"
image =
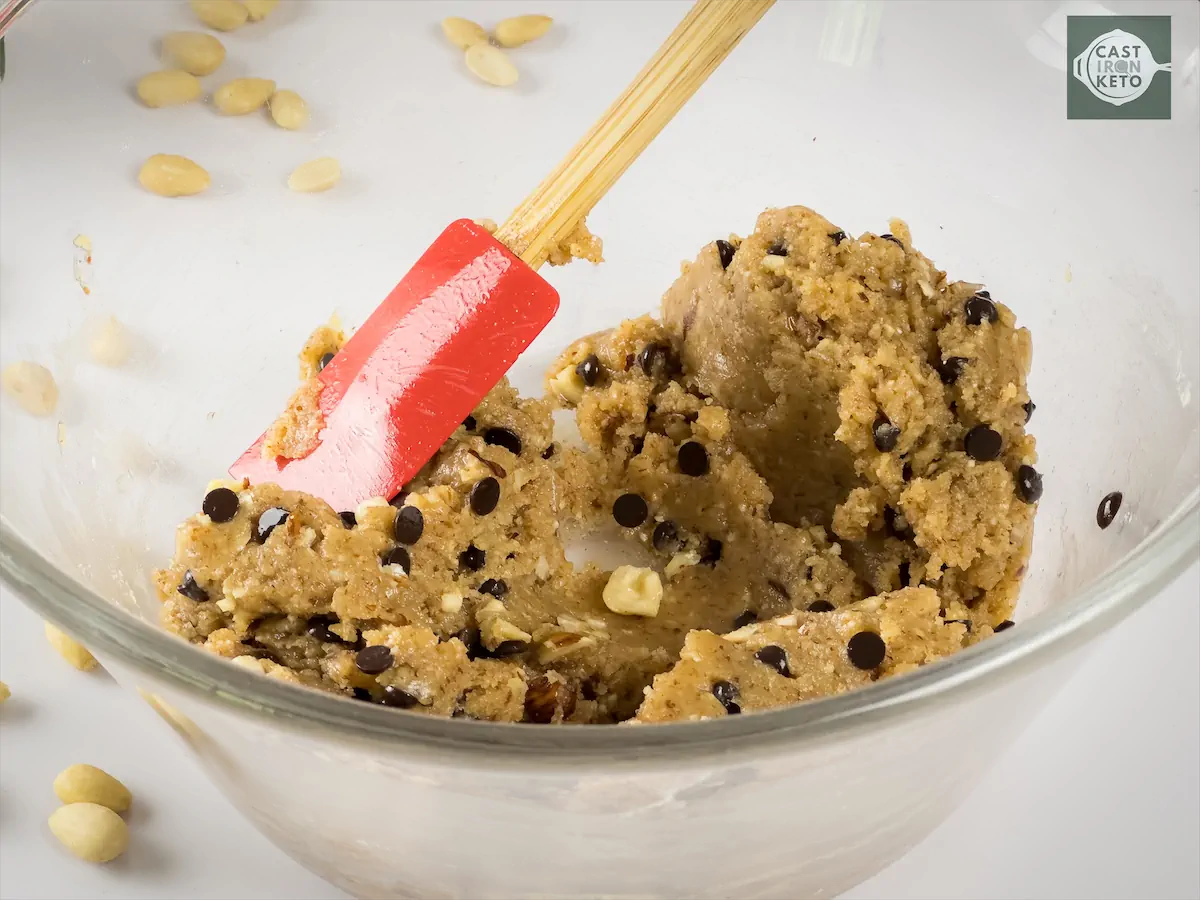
{"type": "Point", "coordinates": [809, 461]}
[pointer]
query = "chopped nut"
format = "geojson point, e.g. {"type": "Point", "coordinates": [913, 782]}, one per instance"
{"type": "Point", "coordinates": [774, 263]}
{"type": "Point", "coordinates": [109, 343]}
{"type": "Point", "coordinates": [681, 561]}
{"type": "Point", "coordinates": [169, 175]}
{"type": "Point", "coordinates": [315, 175]}
{"type": "Point", "coordinates": [82, 783]}
{"type": "Point", "coordinates": [193, 51]}
{"type": "Point", "coordinates": [491, 65]}
{"type": "Point", "coordinates": [32, 386]}
{"type": "Point", "coordinates": [633, 591]}
{"type": "Point", "coordinates": [70, 649]}
{"type": "Point", "coordinates": [92, 832]}
{"type": "Point", "coordinates": [288, 109]}
{"type": "Point", "coordinates": [495, 631]}
{"type": "Point", "coordinates": [562, 643]}
{"type": "Point", "coordinates": [521, 30]}
{"type": "Point", "coordinates": [463, 33]}
{"type": "Point", "coordinates": [547, 699]}
{"type": "Point", "coordinates": [452, 602]}
{"type": "Point", "coordinates": [243, 95]}
{"type": "Point", "coordinates": [223, 15]}
{"type": "Point", "coordinates": [168, 88]}
{"type": "Point", "coordinates": [568, 385]}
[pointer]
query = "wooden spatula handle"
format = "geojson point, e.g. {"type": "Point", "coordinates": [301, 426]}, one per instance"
{"type": "Point", "coordinates": [711, 29]}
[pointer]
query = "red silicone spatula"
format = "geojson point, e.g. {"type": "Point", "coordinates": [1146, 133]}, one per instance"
{"type": "Point", "coordinates": [473, 302]}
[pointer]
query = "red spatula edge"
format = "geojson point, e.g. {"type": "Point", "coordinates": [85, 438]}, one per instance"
{"type": "Point", "coordinates": [420, 364]}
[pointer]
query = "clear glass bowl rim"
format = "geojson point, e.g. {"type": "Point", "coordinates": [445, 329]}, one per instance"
{"type": "Point", "coordinates": [1154, 562]}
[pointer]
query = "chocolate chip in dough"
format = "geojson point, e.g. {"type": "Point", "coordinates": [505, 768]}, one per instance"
{"type": "Point", "coordinates": [190, 589]}
{"type": "Point", "coordinates": [693, 459]}
{"type": "Point", "coordinates": [711, 554]}
{"type": "Point", "coordinates": [497, 587]}
{"type": "Point", "coordinates": [473, 559]}
{"type": "Point", "coordinates": [1029, 408]}
{"type": "Point", "coordinates": [397, 556]}
{"type": "Point", "coordinates": [373, 660]}
{"type": "Point", "coordinates": [906, 472]}
{"type": "Point", "coordinates": [725, 251]}
{"type": "Point", "coordinates": [397, 698]}
{"type": "Point", "coordinates": [508, 648]}
{"type": "Point", "coordinates": [780, 588]}
{"type": "Point", "coordinates": [980, 309]}
{"type": "Point", "coordinates": [503, 437]}
{"type": "Point", "coordinates": [904, 574]}
{"type": "Point", "coordinates": [220, 504]}
{"type": "Point", "coordinates": [268, 521]}
{"type": "Point", "coordinates": [775, 657]}
{"type": "Point", "coordinates": [485, 494]}
{"type": "Point", "coordinates": [726, 693]}
{"type": "Point", "coordinates": [630, 510]}
{"type": "Point", "coordinates": [1004, 626]}
{"type": "Point", "coordinates": [318, 629]}
{"type": "Point", "coordinates": [548, 452]}
{"type": "Point", "coordinates": [348, 518]}
{"type": "Point", "coordinates": [1108, 509]}
{"type": "Point", "coordinates": [950, 368]}
{"type": "Point", "coordinates": [657, 361]}
{"type": "Point", "coordinates": [666, 537]}
{"type": "Point", "coordinates": [866, 650]}
{"type": "Point", "coordinates": [982, 443]}
{"type": "Point", "coordinates": [637, 443]}
{"type": "Point", "coordinates": [409, 525]}
{"type": "Point", "coordinates": [777, 249]}
{"type": "Point", "coordinates": [361, 694]}
{"type": "Point", "coordinates": [885, 433]}
{"type": "Point", "coordinates": [895, 240]}
{"type": "Point", "coordinates": [589, 370]}
{"type": "Point", "coordinates": [470, 424]}
{"type": "Point", "coordinates": [820, 606]}
{"type": "Point", "coordinates": [325, 360]}
{"type": "Point", "coordinates": [837, 237]}
{"type": "Point", "coordinates": [1029, 484]}
{"type": "Point", "coordinates": [748, 617]}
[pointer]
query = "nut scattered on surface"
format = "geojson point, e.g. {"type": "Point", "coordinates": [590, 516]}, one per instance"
{"type": "Point", "coordinates": [109, 343]}
{"type": "Point", "coordinates": [521, 30]}
{"type": "Point", "coordinates": [168, 88]}
{"type": "Point", "coordinates": [315, 175]}
{"type": "Point", "coordinates": [288, 109]}
{"type": "Point", "coordinates": [463, 33]}
{"type": "Point", "coordinates": [633, 591]}
{"type": "Point", "coordinates": [243, 95]}
{"type": "Point", "coordinates": [491, 64]}
{"type": "Point", "coordinates": [193, 51]}
{"type": "Point", "coordinates": [169, 175]}
{"type": "Point", "coordinates": [70, 649]}
{"type": "Point", "coordinates": [82, 783]}
{"type": "Point", "coordinates": [257, 10]}
{"type": "Point", "coordinates": [32, 386]}
{"type": "Point", "coordinates": [92, 832]}
{"type": "Point", "coordinates": [223, 15]}
{"type": "Point", "coordinates": [5, 693]}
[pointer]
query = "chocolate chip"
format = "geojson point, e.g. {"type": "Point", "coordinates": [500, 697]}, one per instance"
{"type": "Point", "coordinates": [637, 443]}
{"type": "Point", "coordinates": [966, 622]}
{"type": "Point", "coordinates": [837, 237]}
{"type": "Point", "coordinates": [980, 309]}
{"type": "Point", "coordinates": [1004, 626]}
{"type": "Point", "coordinates": [349, 519]}
{"type": "Point", "coordinates": [726, 693]}
{"type": "Point", "coordinates": [318, 628]}
{"type": "Point", "coordinates": [903, 574]}
{"type": "Point", "coordinates": [780, 588]}
{"type": "Point", "coordinates": [657, 361]}
{"type": "Point", "coordinates": [982, 443]}
{"type": "Point", "coordinates": [666, 537]}
{"type": "Point", "coordinates": [409, 525]}
{"type": "Point", "coordinates": [397, 698]}
{"type": "Point", "coordinates": [775, 657]}
{"type": "Point", "coordinates": [711, 554]}
{"type": "Point", "coordinates": [895, 240]}
{"type": "Point", "coordinates": [503, 437]}
{"type": "Point", "coordinates": [508, 648]}
{"type": "Point", "coordinates": [472, 559]}
{"type": "Point", "coordinates": [325, 360]}
{"type": "Point", "coordinates": [470, 424]}
{"type": "Point", "coordinates": [267, 522]}
{"type": "Point", "coordinates": [373, 660]}
{"type": "Point", "coordinates": [866, 650]}
{"type": "Point", "coordinates": [630, 510]}
{"type": "Point", "coordinates": [951, 368]}
{"type": "Point", "coordinates": [497, 587]}
{"type": "Point", "coordinates": [897, 526]}
{"type": "Point", "coordinates": [777, 249]}
{"type": "Point", "coordinates": [589, 370]}
{"type": "Point", "coordinates": [745, 618]}
{"type": "Point", "coordinates": [987, 294]}
{"type": "Point", "coordinates": [1029, 484]}
{"type": "Point", "coordinates": [693, 459]}
{"type": "Point", "coordinates": [820, 606]}
{"type": "Point", "coordinates": [220, 504]}
{"type": "Point", "coordinates": [885, 433]}
{"type": "Point", "coordinates": [190, 589]}
{"type": "Point", "coordinates": [397, 556]}
{"type": "Point", "coordinates": [1029, 408]}
{"type": "Point", "coordinates": [548, 452]}
{"type": "Point", "coordinates": [725, 251]}
{"type": "Point", "coordinates": [361, 694]}
{"type": "Point", "coordinates": [1108, 509]}
{"type": "Point", "coordinates": [485, 495]}
{"type": "Point", "coordinates": [906, 472]}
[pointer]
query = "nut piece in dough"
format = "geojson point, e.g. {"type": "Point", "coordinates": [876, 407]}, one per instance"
{"type": "Point", "coordinates": [491, 65]}
{"type": "Point", "coordinates": [288, 109]}
{"type": "Point", "coordinates": [315, 175]}
{"type": "Point", "coordinates": [633, 591]}
{"type": "Point", "coordinates": [32, 386]}
{"type": "Point", "coordinates": [169, 175]}
{"type": "Point", "coordinates": [92, 832]}
{"type": "Point", "coordinates": [169, 87]}
{"type": "Point", "coordinates": [243, 95]}
{"type": "Point", "coordinates": [82, 783]}
{"type": "Point", "coordinates": [193, 51]}
{"type": "Point", "coordinates": [521, 30]}
{"type": "Point", "coordinates": [70, 649]}
{"type": "Point", "coordinates": [223, 15]}
{"type": "Point", "coordinates": [463, 33]}
{"type": "Point", "coordinates": [568, 385]}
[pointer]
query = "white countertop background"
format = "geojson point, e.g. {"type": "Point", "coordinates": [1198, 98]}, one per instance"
{"type": "Point", "coordinates": [1099, 798]}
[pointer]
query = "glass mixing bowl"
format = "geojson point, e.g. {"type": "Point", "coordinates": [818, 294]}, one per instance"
{"type": "Point", "coordinates": [950, 115]}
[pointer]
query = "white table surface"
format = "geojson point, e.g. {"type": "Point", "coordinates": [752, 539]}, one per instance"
{"type": "Point", "coordinates": [1099, 798]}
